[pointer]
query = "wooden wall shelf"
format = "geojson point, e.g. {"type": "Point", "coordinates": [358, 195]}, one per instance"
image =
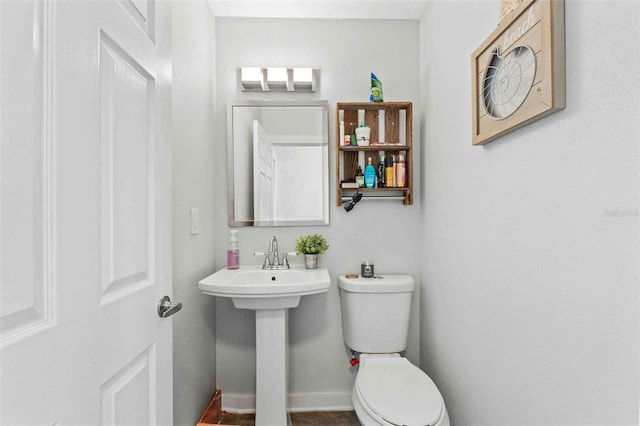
{"type": "Point", "coordinates": [390, 122]}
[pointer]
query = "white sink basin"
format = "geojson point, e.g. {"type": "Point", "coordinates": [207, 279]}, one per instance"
{"type": "Point", "coordinates": [251, 287]}
{"type": "Point", "coordinates": [270, 293]}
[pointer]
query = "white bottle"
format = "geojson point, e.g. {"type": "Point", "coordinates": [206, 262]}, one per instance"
{"type": "Point", "coordinates": [233, 252]}
{"type": "Point", "coordinates": [341, 142]}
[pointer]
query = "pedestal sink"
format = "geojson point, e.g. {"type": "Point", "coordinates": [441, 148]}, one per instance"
{"type": "Point", "coordinates": [270, 293]}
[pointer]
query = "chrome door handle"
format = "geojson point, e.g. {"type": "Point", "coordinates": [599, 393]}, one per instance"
{"type": "Point", "coordinates": [166, 307]}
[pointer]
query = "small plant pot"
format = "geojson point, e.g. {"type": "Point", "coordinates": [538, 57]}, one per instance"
{"type": "Point", "coordinates": [311, 261]}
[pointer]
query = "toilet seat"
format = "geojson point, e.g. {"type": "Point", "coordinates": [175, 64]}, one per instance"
{"type": "Point", "coordinates": [394, 391]}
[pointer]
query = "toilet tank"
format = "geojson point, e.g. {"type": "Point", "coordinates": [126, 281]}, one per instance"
{"type": "Point", "coordinates": [375, 312]}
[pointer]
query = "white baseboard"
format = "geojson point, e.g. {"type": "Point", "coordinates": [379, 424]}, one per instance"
{"type": "Point", "coordinates": [298, 402]}
{"type": "Point", "coordinates": [238, 403]}
{"type": "Point", "coordinates": [320, 401]}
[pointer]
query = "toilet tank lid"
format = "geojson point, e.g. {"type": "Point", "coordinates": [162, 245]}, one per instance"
{"type": "Point", "coordinates": [379, 284]}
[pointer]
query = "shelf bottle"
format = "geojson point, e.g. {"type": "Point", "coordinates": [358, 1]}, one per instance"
{"type": "Point", "coordinates": [401, 172]}
{"type": "Point", "coordinates": [388, 171]}
{"type": "Point", "coordinates": [360, 177]}
{"type": "Point", "coordinates": [369, 175]}
{"type": "Point", "coordinates": [380, 183]}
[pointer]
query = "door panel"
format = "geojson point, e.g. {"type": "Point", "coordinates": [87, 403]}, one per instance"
{"type": "Point", "coordinates": [263, 174]}
{"type": "Point", "coordinates": [128, 398]}
{"type": "Point", "coordinates": [126, 164]}
{"type": "Point", "coordinates": [85, 212]}
{"type": "Point", "coordinates": [26, 213]}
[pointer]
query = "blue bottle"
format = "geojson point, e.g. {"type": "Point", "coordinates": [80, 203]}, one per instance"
{"type": "Point", "coordinates": [369, 175]}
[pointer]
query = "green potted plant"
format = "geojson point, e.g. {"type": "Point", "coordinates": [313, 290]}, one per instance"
{"type": "Point", "coordinates": [311, 246]}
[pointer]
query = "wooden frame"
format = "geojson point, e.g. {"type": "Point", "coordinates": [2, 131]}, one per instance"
{"type": "Point", "coordinates": [518, 72]}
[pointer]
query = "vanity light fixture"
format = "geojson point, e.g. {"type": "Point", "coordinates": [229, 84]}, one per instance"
{"type": "Point", "coordinates": [277, 79]}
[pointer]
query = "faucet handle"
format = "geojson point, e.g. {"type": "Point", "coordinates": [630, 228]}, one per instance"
{"type": "Point", "coordinates": [285, 259]}
{"type": "Point", "coordinates": [286, 255]}
{"type": "Point", "coordinates": [266, 257]}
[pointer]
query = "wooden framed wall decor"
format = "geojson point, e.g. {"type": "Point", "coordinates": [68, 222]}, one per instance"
{"type": "Point", "coordinates": [518, 72]}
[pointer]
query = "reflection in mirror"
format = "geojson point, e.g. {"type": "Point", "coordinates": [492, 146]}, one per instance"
{"type": "Point", "coordinates": [278, 163]}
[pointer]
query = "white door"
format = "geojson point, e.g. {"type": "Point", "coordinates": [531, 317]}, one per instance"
{"type": "Point", "coordinates": [263, 175]}
{"type": "Point", "coordinates": [85, 212]}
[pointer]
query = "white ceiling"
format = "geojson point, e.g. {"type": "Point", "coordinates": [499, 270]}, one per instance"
{"type": "Point", "coordinates": [328, 9]}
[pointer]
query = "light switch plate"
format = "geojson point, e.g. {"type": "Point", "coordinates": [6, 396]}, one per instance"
{"type": "Point", "coordinates": [194, 221]}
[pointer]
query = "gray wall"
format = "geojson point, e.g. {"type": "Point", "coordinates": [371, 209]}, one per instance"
{"type": "Point", "coordinates": [530, 243]}
{"type": "Point", "coordinates": [193, 255]}
{"type": "Point", "coordinates": [345, 52]}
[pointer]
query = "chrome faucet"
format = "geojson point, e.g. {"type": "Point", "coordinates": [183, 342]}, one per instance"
{"type": "Point", "coordinates": [272, 253]}
{"type": "Point", "coordinates": [273, 259]}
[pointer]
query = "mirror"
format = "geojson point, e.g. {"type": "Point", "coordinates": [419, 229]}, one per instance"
{"type": "Point", "coordinates": [278, 163]}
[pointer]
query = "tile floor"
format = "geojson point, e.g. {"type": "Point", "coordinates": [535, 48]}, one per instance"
{"type": "Point", "coordinates": [317, 418]}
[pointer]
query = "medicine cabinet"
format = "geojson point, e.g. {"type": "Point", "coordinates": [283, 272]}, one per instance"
{"type": "Point", "coordinates": [391, 126]}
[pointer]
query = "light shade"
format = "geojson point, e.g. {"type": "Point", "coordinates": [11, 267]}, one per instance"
{"type": "Point", "coordinates": [303, 79]}
{"type": "Point", "coordinates": [251, 78]}
{"type": "Point", "coordinates": [277, 79]}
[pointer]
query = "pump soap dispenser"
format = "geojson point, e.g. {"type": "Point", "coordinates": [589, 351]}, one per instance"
{"type": "Point", "coordinates": [233, 251]}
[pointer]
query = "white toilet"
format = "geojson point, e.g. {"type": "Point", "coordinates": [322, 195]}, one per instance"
{"type": "Point", "coordinates": [388, 389]}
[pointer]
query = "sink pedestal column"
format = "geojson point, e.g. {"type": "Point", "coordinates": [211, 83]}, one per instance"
{"type": "Point", "coordinates": [272, 373]}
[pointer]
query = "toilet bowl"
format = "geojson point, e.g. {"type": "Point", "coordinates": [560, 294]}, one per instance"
{"type": "Point", "coordinates": [388, 390]}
